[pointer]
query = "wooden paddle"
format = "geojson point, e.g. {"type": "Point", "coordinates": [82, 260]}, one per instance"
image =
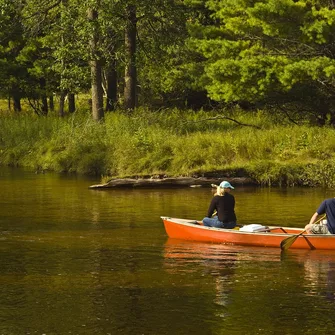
{"type": "Point", "coordinates": [287, 242]}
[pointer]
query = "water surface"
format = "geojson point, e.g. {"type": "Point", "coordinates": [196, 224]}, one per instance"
{"type": "Point", "coordinates": [80, 261]}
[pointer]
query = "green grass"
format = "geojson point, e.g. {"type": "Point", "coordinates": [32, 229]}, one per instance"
{"type": "Point", "coordinates": [173, 143]}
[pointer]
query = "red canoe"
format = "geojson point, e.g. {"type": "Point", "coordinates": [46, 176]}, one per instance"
{"type": "Point", "coordinates": [271, 237]}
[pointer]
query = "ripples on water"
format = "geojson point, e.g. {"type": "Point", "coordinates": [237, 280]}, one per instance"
{"type": "Point", "coordinates": [265, 284]}
{"type": "Point", "coordinates": [77, 261]}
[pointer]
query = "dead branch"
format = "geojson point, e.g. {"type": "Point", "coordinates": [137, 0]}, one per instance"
{"type": "Point", "coordinates": [220, 117]}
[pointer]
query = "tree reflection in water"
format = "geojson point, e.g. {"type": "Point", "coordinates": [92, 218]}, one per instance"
{"type": "Point", "coordinates": [215, 261]}
{"type": "Point", "coordinates": [319, 271]}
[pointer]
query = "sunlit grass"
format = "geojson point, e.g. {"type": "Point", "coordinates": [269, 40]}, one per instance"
{"type": "Point", "coordinates": [170, 142]}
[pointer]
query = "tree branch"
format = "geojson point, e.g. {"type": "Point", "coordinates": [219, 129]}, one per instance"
{"type": "Point", "coordinates": [220, 117]}
{"type": "Point", "coordinates": [287, 114]}
{"type": "Point", "coordinates": [45, 11]}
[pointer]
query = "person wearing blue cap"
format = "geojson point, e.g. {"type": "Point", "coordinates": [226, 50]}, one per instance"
{"type": "Point", "coordinates": [224, 204]}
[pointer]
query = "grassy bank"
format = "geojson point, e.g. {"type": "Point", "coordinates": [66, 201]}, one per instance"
{"type": "Point", "coordinates": [172, 143]}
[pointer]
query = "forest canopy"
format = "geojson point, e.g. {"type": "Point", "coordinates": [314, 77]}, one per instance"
{"type": "Point", "coordinates": [274, 55]}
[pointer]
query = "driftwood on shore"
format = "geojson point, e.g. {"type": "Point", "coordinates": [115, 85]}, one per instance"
{"type": "Point", "coordinates": [170, 182]}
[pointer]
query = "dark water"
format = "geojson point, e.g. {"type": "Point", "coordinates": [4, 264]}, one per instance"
{"type": "Point", "coordinates": [81, 261]}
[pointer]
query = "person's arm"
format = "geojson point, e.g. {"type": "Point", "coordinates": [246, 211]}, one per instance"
{"type": "Point", "coordinates": [212, 207]}
{"type": "Point", "coordinates": [319, 211]}
{"type": "Point", "coordinates": [313, 218]}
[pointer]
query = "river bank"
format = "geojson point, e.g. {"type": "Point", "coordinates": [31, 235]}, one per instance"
{"type": "Point", "coordinates": [170, 182]}
{"type": "Point", "coordinates": [151, 146]}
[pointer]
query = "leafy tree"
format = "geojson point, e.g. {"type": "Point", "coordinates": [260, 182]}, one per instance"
{"type": "Point", "coordinates": [168, 69]}
{"type": "Point", "coordinates": [57, 26]}
{"type": "Point", "coordinates": [12, 74]}
{"type": "Point", "coordinates": [132, 49]}
{"type": "Point", "coordinates": [270, 52]}
{"type": "Point", "coordinates": [95, 62]}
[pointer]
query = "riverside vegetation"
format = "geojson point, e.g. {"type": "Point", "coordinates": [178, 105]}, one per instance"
{"type": "Point", "coordinates": [154, 68]}
{"type": "Point", "coordinates": [172, 143]}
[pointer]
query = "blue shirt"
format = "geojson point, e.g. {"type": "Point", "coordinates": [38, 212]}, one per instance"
{"type": "Point", "coordinates": [328, 206]}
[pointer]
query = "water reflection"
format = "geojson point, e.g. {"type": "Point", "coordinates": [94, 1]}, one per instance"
{"type": "Point", "coordinates": [260, 275]}
{"type": "Point", "coordinates": [220, 263]}
{"type": "Point", "coordinates": [79, 261]}
{"type": "Point", "coordinates": [318, 271]}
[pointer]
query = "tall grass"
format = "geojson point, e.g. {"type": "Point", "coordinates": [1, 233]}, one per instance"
{"type": "Point", "coordinates": [173, 143]}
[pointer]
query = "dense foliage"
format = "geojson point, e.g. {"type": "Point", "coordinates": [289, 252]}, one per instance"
{"type": "Point", "coordinates": [270, 52]}
{"type": "Point", "coordinates": [171, 143]}
{"type": "Point", "coordinates": [218, 62]}
{"type": "Point", "coordinates": [276, 55]}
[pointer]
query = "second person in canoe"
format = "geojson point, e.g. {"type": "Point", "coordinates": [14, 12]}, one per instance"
{"type": "Point", "coordinates": [223, 204]}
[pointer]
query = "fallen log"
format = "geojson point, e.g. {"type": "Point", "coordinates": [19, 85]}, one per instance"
{"type": "Point", "coordinates": [170, 182]}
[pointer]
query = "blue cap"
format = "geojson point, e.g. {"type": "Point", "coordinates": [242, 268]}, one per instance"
{"type": "Point", "coordinates": [226, 184]}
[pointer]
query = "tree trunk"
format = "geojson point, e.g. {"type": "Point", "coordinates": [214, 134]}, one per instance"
{"type": "Point", "coordinates": [63, 92]}
{"type": "Point", "coordinates": [71, 102]}
{"type": "Point", "coordinates": [44, 100]}
{"type": "Point", "coordinates": [51, 103]}
{"type": "Point", "coordinates": [96, 74]}
{"type": "Point", "coordinates": [111, 76]}
{"type": "Point", "coordinates": [130, 49]}
{"type": "Point", "coordinates": [17, 102]}
{"type": "Point", "coordinates": [61, 103]}
{"type": "Point", "coordinates": [45, 108]}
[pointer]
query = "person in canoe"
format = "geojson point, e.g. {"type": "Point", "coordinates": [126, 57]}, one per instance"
{"type": "Point", "coordinates": [326, 207]}
{"type": "Point", "coordinates": [224, 204]}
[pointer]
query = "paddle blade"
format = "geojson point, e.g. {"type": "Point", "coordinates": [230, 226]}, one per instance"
{"type": "Point", "coordinates": [287, 242]}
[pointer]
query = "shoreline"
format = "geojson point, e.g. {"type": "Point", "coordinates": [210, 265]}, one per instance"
{"type": "Point", "coordinates": [172, 182]}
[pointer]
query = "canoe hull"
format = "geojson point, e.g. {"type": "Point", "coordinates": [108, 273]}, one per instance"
{"type": "Point", "coordinates": [187, 230]}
